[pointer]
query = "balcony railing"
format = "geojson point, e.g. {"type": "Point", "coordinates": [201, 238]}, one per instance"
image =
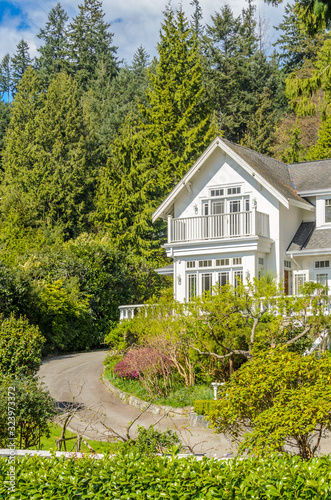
{"type": "Point", "coordinates": [220, 226]}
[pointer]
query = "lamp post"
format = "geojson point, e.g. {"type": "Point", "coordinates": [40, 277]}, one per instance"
{"type": "Point", "coordinates": [215, 386]}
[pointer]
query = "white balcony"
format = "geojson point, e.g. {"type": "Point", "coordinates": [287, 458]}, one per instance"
{"type": "Point", "coordinates": [220, 226]}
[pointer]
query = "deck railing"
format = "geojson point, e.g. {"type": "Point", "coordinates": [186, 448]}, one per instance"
{"type": "Point", "coordinates": [220, 226]}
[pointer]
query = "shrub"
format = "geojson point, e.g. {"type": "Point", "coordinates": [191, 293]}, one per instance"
{"type": "Point", "coordinates": [151, 440]}
{"type": "Point", "coordinates": [150, 366]}
{"type": "Point", "coordinates": [20, 346]}
{"type": "Point", "coordinates": [203, 407]}
{"type": "Point", "coordinates": [31, 406]}
{"type": "Point", "coordinates": [278, 402]}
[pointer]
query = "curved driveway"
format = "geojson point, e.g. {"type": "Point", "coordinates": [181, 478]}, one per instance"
{"type": "Point", "coordinates": [77, 378]}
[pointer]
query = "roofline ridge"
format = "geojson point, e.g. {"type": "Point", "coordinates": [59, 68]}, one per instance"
{"type": "Point", "coordinates": [309, 161]}
{"type": "Point", "coordinates": [255, 152]}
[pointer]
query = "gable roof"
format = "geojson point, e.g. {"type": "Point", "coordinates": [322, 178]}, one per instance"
{"type": "Point", "coordinates": [311, 175]}
{"type": "Point", "coordinates": [272, 174]}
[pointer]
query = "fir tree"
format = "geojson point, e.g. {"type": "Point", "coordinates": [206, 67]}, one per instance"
{"type": "Point", "coordinates": [52, 58]}
{"type": "Point", "coordinates": [322, 149]}
{"type": "Point", "coordinates": [6, 83]}
{"type": "Point", "coordinates": [89, 43]}
{"type": "Point", "coordinates": [128, 193]}
{"type": "Point", "coordinates": [20, 62]}
{"type": "Point", "coordinates": [177, 117]}
{"type": "Point", "coordinates": [295, 151]}
{"type": "Point", "coordinates": [48, 163]}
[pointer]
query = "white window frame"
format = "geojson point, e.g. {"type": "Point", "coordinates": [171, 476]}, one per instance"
{"type": "Point", "coordinates": [302, 273]}
{"type": "Point", "coordinates": [327, 203]}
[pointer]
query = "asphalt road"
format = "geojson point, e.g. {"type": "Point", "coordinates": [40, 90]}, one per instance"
{"type": "Point", "coordinates": [76, 378]}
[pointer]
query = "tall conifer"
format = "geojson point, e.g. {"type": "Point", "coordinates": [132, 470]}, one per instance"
{"type": "Point", "coordinates": [20, 62]}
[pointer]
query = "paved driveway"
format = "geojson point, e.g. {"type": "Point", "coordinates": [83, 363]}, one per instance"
{"type": "Point", "coordinates": [77, 378]}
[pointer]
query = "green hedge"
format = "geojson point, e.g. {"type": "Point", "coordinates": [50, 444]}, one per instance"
{"type": "Point", "coordinates": [137, 477]}
{"type": "Point", "coordinates": [204, 406]}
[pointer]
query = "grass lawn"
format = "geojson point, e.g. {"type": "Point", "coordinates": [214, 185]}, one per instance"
{"type": "Point", "coordinates": [98, 446]}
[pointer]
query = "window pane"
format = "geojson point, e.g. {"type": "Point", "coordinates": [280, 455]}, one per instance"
{"type": "Point", "coordinates": [223, 278]}
{"type": "Point", "coordinates": [238, 277]}
{"type": "Point", "coordinates": [206, 282]}
{"type": "Point", "coordinates": [192, 285]}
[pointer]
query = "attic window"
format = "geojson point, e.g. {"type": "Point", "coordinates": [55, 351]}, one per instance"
{"type": "Point", "coordinates": [217, 192]}
{"type": "Point", "coordinates": [234, 190]}
{"type": "Point", "coordinates": [205, 263]}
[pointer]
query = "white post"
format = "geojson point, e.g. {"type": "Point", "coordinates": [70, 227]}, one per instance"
{"type": "Point", "coordinates": [254, 228]}
{"type": "Point", "coordinates": [169, 228]}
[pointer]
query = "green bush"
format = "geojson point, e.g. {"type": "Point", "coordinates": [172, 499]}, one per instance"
{"type": "Point", "coordinates": [20, 346]}
{"type": "Point", "coordinates": [203, 407]}
{"type": "Point", "coordinates": [133, 476]}
{"type": "Point", "coordinates": [26, 409]}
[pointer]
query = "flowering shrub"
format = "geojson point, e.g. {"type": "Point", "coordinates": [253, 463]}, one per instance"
{"type": "Point", "coordinates": [152, 367]}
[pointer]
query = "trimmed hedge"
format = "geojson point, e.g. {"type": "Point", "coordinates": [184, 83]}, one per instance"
{"type": "Point", "coordinates": [204, 406]}
{"type": "Point", "coordinates": [137, 477]}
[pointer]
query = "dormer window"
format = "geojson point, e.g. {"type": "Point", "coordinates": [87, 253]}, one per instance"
{"type": "Point", "coordinates": [328, 211]}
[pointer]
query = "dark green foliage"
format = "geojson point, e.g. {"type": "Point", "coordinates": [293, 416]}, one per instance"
{"type": "Point", "coordinates": [75, 289]}
{"type": "Point", "coordinates": [239, 73]}
{"type": "Point", "coordinates": [136, 477]}
{"type": "Point", "coordinates": [20, 61]}
{"type": "Point", "coordinates": [20, 346]}
{"type": "Point", "coordinates": [53, 55]}
{"type": "Point", "coordinates": [24, 401]}
{"type": "Point", "coordinates": [203, 407]}
{"type": "Point", "coordinates": [90, 43]}
{"type": "Point", "coordinates": [49, 159]}
{"type": "Point", "coordinates": [4, 122]}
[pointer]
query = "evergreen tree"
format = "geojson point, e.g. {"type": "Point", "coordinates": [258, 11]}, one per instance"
{"type": "Point", "coordinates": [238, 71]}
{"type": "Point", "coordinates": [20, 62]}
{"type": "Point", "coordinates": [322, 149]}
{"type": "Point", "coordinates": [128, 193]}
{"type": "Point", "coordinates": [48, 169]}
{"type": "Point", "coordinates": [6, 82]}
{"type": "Point", "coordinates": [89, 43]}
{"type": "Point", "coordinates": [260, 131]}
{"type": "Point", "coordinates": [177, 118]}
{"type": "Point", "coordinates": [52, 58]}
{"type": "Point", "coordinates": [196, 19]}
{"type": "Point", "coordinates": [295, 45]}
{"type": "Point", "coordinates": [295, 151]}
{"type": "Point", "coordinates": [4, 122]}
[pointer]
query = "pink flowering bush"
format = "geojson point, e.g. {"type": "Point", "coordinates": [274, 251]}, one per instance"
{"type": "Point", "coordinates": [150, 366]}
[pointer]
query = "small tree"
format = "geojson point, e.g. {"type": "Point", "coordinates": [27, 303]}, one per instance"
{"type": "Point", "coordinates": [32, 408]}
{"type": "Point", "coordinates": [279, 401]}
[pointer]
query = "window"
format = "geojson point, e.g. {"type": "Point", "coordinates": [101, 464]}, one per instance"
{"type": "Point", "coordinates": [261, 261]}
{"type": "Point", "coordinates": [322, 279]}
{"type": "Point", "coordinates": [192, 285]}
{"type": "Point", "coordinates": [205, 263]}
{"type": "Point", "coordinates": [222, 262]}
{"type": "Point", "coordinates": [223, 278]}
{"type": "Point", "coordinates": [190, 264]}
{"type": "Point", "coordinates": [328, 211]}
{"type": "Point", "coordinates": [321, 264]}
{"type": "Point", "coordinates": [237, 278]}
{"type": "Point", "coordinates": [237, 261]}
{"type": "Point", "coordinates": [234, 190]}
{"type": "Point", "coordinates": [288, 264]}
{"type": "Point", "coordinates": [300, 279]}
{"type": "Point", "coordinates": [217, 192]}
{"type": "Point", "coordinates": [206, 282]}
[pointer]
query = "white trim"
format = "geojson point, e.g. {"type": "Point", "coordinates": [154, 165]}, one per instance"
{"type": "Point", "coordinates": [163, 209]}
{"type": "Point", "coordinates": [315, 192]}
{"type": "Point", "coordinates": [321, 251]}
{"type": "Point", "coordinates": [301, 204]}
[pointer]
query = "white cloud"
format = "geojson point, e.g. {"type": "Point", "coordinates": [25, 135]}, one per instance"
{"type": "Point", "coordinates": [140, 21]}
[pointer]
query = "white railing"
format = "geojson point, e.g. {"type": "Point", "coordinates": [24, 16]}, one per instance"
{"type": "Point", "coordinates": [128, 312]}
{"type": "Point", "coordinates": [220, 226]}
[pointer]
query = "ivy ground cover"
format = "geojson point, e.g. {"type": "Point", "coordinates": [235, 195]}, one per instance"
{"type": "Point", "coordinates": [132, 476]}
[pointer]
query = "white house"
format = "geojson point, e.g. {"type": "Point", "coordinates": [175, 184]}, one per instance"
{"type": "Point", "coordinates": [237, 213]}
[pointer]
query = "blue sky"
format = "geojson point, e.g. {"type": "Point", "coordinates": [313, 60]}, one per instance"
{"type": "Point", "coordinates": [134, 22]}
